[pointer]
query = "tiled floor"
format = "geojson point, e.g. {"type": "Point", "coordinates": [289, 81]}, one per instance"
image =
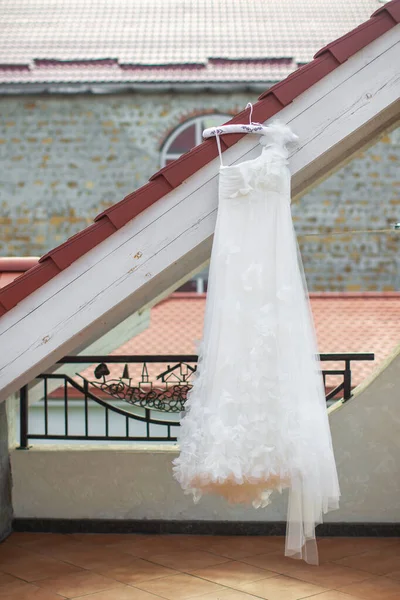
{"type": "Point", "coordinates": [137, 567]}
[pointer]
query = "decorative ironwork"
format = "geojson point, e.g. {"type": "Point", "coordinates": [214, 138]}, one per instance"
{"type": "Point", "coordinates": [170, 398]}
{"type": "Point", "coordinates": [154, 398]}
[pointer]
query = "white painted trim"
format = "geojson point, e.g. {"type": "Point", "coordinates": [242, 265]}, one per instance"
{"type": "Point", "coordinates": [114, 339]}
{"type": "Point", "coordinates": [332, 119]}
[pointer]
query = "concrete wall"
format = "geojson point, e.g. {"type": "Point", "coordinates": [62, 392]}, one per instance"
{"type": "Point", "coordinates": [5, 476]}
{"type": "Point", "coordinates": [366, 434]}
{"type": "Point", "coordinates": [65, 159]}
{"type": "Point", "coordinates": [51, 482]}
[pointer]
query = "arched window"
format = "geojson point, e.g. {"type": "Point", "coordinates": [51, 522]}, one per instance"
{"type": "Point", "coordinates": [188, 135]}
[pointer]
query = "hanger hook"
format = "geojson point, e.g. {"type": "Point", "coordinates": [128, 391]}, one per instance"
{"type": "Point", "coordinates": [249, 105]}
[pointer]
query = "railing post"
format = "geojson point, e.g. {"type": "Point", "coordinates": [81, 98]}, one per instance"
{"type": "Point", "coordinates": [23, 417]}
{"type": "Point", "coordinates": [347, 381]}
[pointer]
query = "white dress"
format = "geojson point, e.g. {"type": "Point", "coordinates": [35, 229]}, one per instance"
{"type": "Point", "coordinates": [256, 418]}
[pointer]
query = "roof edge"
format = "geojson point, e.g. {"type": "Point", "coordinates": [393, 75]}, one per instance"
{"type": "Point", "coordinates": [99, 88]}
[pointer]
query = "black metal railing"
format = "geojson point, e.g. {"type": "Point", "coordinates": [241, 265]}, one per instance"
{"type": "Point", "coordinates": [100, 404]}
{"type": "Point", "coordinates": [343, 389]}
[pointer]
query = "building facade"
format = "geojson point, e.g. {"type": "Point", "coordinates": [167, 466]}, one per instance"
{"type": "Point", "coordinates": [94, 100]}
{"type": "Point", "coordinates": [64, 159]}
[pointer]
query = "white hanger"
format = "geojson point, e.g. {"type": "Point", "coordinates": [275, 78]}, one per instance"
{"type": "Point", "coordinates": [250, 127]}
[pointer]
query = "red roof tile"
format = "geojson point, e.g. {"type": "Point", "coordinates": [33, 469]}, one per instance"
{"type": "Point", "coordinates": [281, 94]}
{"type": "Point", "coordinates": [355, 40]}
{"type": "Point", "coordinates": [126, 42]}
{"type": "Point", "coordinates": [345, 322]}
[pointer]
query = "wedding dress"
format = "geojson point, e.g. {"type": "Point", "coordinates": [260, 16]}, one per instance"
{"type": "Point", "coordinates": [256, 420]}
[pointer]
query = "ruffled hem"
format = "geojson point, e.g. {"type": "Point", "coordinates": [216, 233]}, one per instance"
{"type": "Point", "coordinates": [245, 489]}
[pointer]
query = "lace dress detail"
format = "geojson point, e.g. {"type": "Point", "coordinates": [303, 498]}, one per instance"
{"type": "Point", "coordinates": [256, 419]}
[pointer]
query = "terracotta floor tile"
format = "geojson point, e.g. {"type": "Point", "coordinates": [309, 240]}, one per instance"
{"type": "Point", "coordinates": [125, 593]}
{"type": "Point", "coordinates": [59, 550]}
{"type": "Point", "coordinates": [80, 565]}
{"type": "Point", "coordinates": [29, 539]}
{"type": "Point", "coordinates": [107, 539]}
{"type": "Point", "coordinates": [13, 537]}
{"type": "Point", "coordinates": [145, 547]}
{"type": "Point", "coordinates": [180, 587]}
{"type": "Point", "coordinates": [378, 562]}
{"type": "Point", "coordinates": [333, 595]}
{"type": "Point", "coordinates": [328, 575]}
{"type": "Point", "coordinates": [240, 547]}
{"type": "Point", "coordinates": [187, 539]}
{"type": "Point", "coordinates": [90, 556]}
{"type": "Point", "coordinates": [207, 539]}
{"type": "Point", "coordinates": [22, 537]}
{"type": "Point", "coordinates": [8, 552]}
{"type": "Point", "coordinates": [272, 561]}
{"type": "Point", "coordinates": [331, 549]}
{"type": "Point", "coordinates": [138, 570]}
{"type": "Point", "coordinates": [282, 588]}
{"type": "Point", "coordinates": [69, 542]}
{"type": "Point", "coordinates": [229, 595]}
{"type": "Point", "coordinates": [48, 546]}
{"type": "Point", "coordinates": [78, 584]}
{"type": "Point", "coordinates": [188, 561]}
{"type": "Point", "coordinates": [230, 546]}
{"type": "Point", "coordinates": [6, 578]}
{"type": "Point", "coordinates": [20, 590]}
{"type": "Point", "coordinates": [394, 575]}
{"type": "Point", "coordinates": [233, 574]}
{"type": "Point", "coordinates": [36, 567]}
{"type": "Point", "coordinates": [378, 588]}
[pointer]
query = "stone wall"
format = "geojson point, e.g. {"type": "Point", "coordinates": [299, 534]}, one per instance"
{"type": "Point", "coordinates": [363, 195]}
{"type": "Point", "coordinates": [64, 159]}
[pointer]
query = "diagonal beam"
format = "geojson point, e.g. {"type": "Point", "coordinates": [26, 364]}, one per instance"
{"type": "Point", "coordinates": [171, 238]}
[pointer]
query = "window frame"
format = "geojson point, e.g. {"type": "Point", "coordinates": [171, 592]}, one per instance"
{"type": "Point", "coordinates": [197, 121]}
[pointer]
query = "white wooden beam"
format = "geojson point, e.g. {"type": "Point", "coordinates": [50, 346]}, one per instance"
{"type": "Point", "coordinates": [107, 343]}
{"type": "Point", "coordinates": [121, 333]}
{"type": "Point", "coordinates": [173, 237]}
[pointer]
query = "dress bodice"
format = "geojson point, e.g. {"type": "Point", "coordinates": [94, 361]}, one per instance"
{"type": "Point", "coordinates": [268, 172]}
